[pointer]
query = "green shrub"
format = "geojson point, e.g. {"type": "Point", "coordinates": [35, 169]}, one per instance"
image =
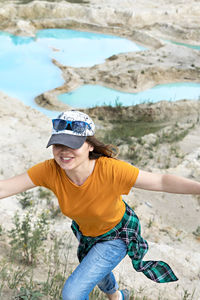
{"type": "Point", "coordinates": [25, 199]}
{"type": "Point", "coordinates": [1, 230]}
{"type": "Point", "coordinates": [197, 232]}
{"type": "Point", "coordinates": [125, 129]}
{"type": "Point", "coordinates": [27, 236]}
{"type": "Point", "coordinates": [44, 193]}
{"type": "Point", "coordinates": [27, 294]}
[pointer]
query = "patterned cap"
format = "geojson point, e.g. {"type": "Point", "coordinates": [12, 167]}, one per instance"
{"type": "Point", "coordinates": [72, 138]}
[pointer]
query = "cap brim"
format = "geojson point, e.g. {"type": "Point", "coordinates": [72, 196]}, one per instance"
{"type": "Point", "coordinates": [68, 140]}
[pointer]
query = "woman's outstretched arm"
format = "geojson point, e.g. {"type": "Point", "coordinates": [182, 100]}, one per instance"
{"type": "Point", "coordinates": [166, 183]}
{"type": "Point", "coordinates": [15, 185]}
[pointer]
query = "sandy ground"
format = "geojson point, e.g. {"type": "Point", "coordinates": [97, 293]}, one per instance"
{"type": "Point", "coordinates": [168, 221]}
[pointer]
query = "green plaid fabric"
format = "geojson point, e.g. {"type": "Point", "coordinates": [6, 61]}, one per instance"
{"type": "Point", "coordinates": [129, 231]}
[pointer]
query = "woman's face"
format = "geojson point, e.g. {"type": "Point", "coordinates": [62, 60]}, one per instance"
{"type": "Point", "coordinates": [70, 159]}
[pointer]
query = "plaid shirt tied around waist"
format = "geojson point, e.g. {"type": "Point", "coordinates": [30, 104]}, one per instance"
{"type": "Point", "coordinates": [129, 231]}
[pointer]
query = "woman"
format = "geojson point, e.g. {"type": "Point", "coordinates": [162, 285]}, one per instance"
{"type": "Point", "coordinates": [88, 182]}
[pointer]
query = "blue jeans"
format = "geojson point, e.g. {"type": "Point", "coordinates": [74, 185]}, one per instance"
{"type": "Point", "coordinates": [95, 269]}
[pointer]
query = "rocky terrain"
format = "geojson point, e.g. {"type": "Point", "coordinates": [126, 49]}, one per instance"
{"type": "Point", "coordinates": [151, 24]}
{"type": "Point", "coordinates": [131, 72]}
{"type": "Point", "coordinates": [169, 222]}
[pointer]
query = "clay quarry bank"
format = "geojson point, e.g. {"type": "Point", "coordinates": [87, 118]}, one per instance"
{"type": "Point", "coordinates": [151, 24]}
{"type": "Point", "coordinates": [169, 222]}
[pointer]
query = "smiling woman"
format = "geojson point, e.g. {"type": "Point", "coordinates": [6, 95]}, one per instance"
{"type": "Point", "coordinates": [73, 160]}
{"type": "Point", "coordinates": [89, 182]}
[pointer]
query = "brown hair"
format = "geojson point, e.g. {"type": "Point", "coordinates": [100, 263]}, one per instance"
{"type": "Point", "coordinates": [101, 149]}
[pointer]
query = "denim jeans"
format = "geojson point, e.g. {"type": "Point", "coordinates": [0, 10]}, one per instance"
{"type": "Point", "coordinates": [95, 269]}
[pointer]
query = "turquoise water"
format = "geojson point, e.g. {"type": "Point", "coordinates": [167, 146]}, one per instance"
{"type": "Point", "coordinates": [26, 69]}
{"type": "Point", "coordinates": [96, 95]}
{"type": "Point", "coordinates": [196, 47]}
{"type": "Point", "coordinates": [83, 49]}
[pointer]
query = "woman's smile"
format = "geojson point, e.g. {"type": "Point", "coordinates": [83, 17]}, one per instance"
{"type": "Point", "coordinates": [66, 159]}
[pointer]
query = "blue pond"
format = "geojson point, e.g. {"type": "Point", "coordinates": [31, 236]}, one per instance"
{"type": "Point", "coordinates": [26, 69]}
{"type": "Point", "coordinates": [96, 95]}
{"type": "Point", "coordinates": [83, 49]}
{"type": "Point", "coordinates": [196, 47]}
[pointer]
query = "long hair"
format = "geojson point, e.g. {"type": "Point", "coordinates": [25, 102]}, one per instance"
{"type": "Point", "coordinates": [101, 149]}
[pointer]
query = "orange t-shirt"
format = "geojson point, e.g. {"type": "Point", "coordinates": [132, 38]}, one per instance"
{"type": "Point", "coordinates": [96, 206]}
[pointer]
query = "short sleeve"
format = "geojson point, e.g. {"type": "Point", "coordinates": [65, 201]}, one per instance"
{"type": "Point", "coordinates": [43, 174]}
{"type": "Point", "coordinates": [124, 176]}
